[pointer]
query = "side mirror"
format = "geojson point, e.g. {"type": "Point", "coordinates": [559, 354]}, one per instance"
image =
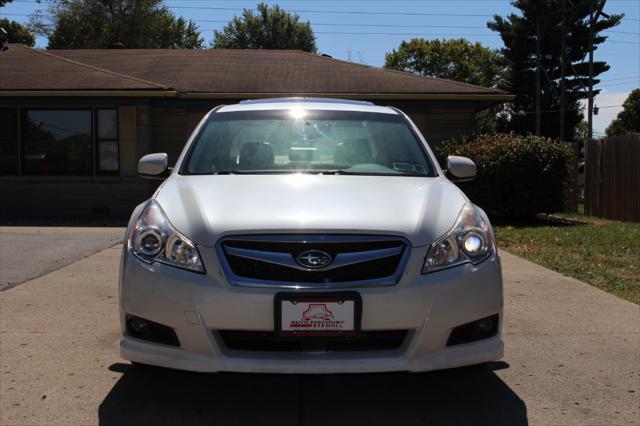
{"type": "Point", "coordinates": [460, 169]}
{"type": "Point", "coordinates": [154, 166]}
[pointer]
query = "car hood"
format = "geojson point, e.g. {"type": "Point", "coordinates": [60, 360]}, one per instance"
{"type": "Point", "coordinates": [206, 208]}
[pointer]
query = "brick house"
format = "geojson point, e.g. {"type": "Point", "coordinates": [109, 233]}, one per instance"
{"type": "Point", "coordinates": [73, 123]}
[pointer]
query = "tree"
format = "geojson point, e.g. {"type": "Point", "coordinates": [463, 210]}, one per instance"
{"type": "Point", "coordinates": [628, 120]}
{"type": "Point", "coordinates": [95, 24]}
{"type": "Point", "coordinates": [270, 28]}
{"type": "Point", "coordinates": [459, 60]}
{"type": "Point", "coordinates": [456, 59]}
{"type": "Point", "coordinates": [520, 36]}
{"type": "Point", "coordinates": [3, 2]}
{"type": "Point", "coordinates": [17, 33]}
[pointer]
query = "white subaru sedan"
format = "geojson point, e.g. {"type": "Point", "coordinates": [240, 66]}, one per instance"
{"type": "Point", "coordinates": [309, 236]}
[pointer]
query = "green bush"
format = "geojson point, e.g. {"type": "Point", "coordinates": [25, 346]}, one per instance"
{"type": "Point", "coordinates": [518, 176]}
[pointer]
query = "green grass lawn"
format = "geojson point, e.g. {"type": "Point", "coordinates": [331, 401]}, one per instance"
{"type": "Point", "coordinates": [603, 253]}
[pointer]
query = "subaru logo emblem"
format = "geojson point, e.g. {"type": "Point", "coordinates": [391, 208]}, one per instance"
{"type": "Point", "coordinates": [314, 259]}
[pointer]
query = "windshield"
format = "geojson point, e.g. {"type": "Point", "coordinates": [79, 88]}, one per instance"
{"type": "Point", "coordinates": [307, 141]}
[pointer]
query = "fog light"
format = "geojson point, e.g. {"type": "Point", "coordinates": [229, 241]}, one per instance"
{"type": "Point", "coordinates": [141, 328]}
{"type": "Point", "coordinates": [485, 325]}
{"type": "Point", "coordinates": [477, 330]}
{"type": "Point", "coordinates": [138, 325]}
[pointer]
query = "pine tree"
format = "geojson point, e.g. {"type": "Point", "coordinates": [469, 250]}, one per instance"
{"type": "Point", "coordinates": [519, 34]}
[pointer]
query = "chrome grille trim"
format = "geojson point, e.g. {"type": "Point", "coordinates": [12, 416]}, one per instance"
{"type": "Point", "coordinates": [286, 259]}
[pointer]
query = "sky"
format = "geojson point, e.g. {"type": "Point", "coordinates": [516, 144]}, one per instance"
{"type": "Point", "coordinates": [364, 30]}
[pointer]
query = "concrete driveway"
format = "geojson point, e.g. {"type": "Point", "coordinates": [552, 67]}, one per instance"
{"type": "Point", "coordinates": [573, 358]}
{"type": "Point", "coordinates": [28, 252]}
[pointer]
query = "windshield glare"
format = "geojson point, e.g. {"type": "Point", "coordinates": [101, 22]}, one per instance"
{"type": "Point", "coordinates": [288, 141]}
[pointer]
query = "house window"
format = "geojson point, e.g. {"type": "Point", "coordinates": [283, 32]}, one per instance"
{"type": "Point", "coordinates": [8, 141]}
{"type": "Point", "coordinates": [107, 140]}
{"type": "Point", "coordinates": [60, 141]}
{"type": "Point", "coordinates": [57, 142]}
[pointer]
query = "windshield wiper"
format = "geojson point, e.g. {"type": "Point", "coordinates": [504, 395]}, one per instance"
{"type": "Point", "coordinates": [230, 172]}
{"type": "Point", "coordinates": [253, 172]}
{"type": "Point", "coordinates": [319, 172]}
{"type": "Point", "coordinates": [338, 172]}
{"type": "Point", "coordinates": [345, 172]}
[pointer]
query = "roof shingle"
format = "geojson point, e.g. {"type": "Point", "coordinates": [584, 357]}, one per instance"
{"type": "Point", "coordinates": [222, 71]}
{"type": "Point", "coordinates": [24, 68]}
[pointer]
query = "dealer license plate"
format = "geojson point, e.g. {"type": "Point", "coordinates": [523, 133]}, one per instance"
{"type": "Point", "coordinates": [318, 314]}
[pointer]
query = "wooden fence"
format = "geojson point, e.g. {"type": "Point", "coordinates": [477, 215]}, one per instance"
{"type": "Point", "coordinates": [571, 200]}
{"type": "Point", "coordinates": [612, 177]}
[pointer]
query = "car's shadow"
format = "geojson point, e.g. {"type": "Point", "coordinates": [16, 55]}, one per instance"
{"type": "Point", "coordinates": [472, 395]}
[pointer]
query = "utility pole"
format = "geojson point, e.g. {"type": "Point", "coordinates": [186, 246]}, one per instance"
{"type": "Point", "coordinates": [590, 103]}
{"type": "Point", "coordinates": [562, 72]}
{"type": "Point", "coordinates": [4, 39]}
{"type": "Point", "coordinates": [538, 75]}
{"type": "Point", "coordinates": [595, 10]}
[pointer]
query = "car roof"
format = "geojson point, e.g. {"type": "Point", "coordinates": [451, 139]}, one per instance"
{"type": "Point", "coordinates": [307, 103]}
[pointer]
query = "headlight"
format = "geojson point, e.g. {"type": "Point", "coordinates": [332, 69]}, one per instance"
{"type": "Point", "coordinates": [470, 240]}
{"type": "Point", "coordinates": [154, 239]}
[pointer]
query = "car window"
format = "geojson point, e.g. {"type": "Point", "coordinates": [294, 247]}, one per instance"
{"type": "Point", "coordinates": [287, 141]}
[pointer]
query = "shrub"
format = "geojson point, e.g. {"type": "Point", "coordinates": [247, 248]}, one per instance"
{"type": "Point", "coordinates": [518, 176]}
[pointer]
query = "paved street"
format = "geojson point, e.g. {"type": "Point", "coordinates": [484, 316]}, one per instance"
{"type": "Point", "coordinates": [28, 252]}
{"type": "Point", "coordinates": [572, 358]}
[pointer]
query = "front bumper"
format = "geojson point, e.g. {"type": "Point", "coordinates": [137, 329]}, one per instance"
{"type": "Point", "coordinates": [195, 305]}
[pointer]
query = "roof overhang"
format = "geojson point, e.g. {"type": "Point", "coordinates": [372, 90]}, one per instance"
{"type": "Point", "coordinates": [88, 93]}
{"type": "Point", "coordinates": [498, 97]}
{"type": "Point", "coordinates": [386, 96]}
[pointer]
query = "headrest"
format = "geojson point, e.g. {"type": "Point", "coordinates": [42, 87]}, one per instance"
{"type": "Point", "coordinates": [256, 156]}
{"type": "Point", "coordinates": [353, 151]}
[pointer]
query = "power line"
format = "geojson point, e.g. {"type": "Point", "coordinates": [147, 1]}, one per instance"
{"type": "Point", "coordinates": [468, 1]}
{"type": "Point", "coordinates": [445, 34]}
{"type": "Point", "coordinates": [619, 84]}
{"type": "Point", "coordinates": [365, 25]}
{"type": "Point", "coordinates": [388, 33]}
{"type": "Point", "coordinates": [409, 34]}
{"type": "Point", "coordinates": [568, 109]}
{"type": "Point", "coordinates": [223, 21]}
{"type": "Point", "coordinates": [618, 53]}
{"type": "Point", "coordinates": [347, 12]}
{"type": "Point", "coordinates": [622, 32]}
{"type": "Point", "coordinates": [625, 78]}
{"type": "Point", "coordinates": [350, 24]}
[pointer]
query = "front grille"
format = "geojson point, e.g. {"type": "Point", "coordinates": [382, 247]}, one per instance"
{"type": "Point", "coordinates": [268, 341]}
{"type": "Point", "coordinates": [355, 260]}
